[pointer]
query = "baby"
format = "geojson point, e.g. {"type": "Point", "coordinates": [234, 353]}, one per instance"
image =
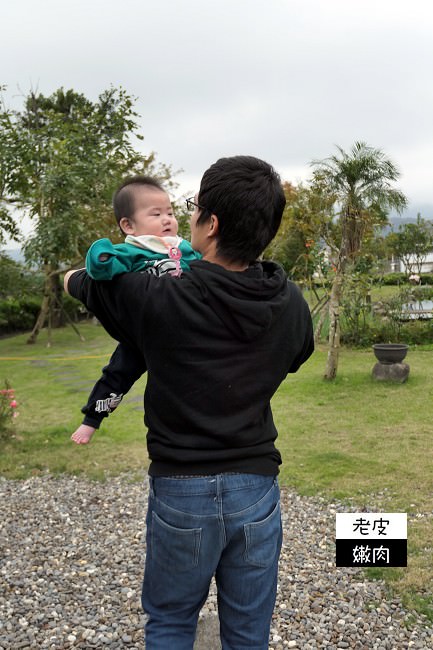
{"type": "Point", "coordinates": [144, 214]}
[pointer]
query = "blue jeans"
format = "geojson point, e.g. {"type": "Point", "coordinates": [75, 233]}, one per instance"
{"type": "Point", "coordinates": [227, 526]}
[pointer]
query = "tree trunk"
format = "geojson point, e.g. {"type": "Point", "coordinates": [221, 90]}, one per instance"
{"type": "Point", "coordinates": [334, 327]}
{"type": "Point", "coordinates": [50, 310]}
{"type": "Point", "coordinates": [56, 310]}
{"type": "Point", "coordinates": [42, 317]}
{"type": "Point", "coordinates": [324, 310]}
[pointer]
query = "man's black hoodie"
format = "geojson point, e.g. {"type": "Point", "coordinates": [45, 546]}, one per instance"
{"type": "Point", "coordinates": [217, 344]}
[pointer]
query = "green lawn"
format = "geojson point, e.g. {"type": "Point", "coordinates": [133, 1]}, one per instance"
{"type": "Point", "coordinates": [52, 384]}
{"type": "Point", "coordinates": [353, 439]}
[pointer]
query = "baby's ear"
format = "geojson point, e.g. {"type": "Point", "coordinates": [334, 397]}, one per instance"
{"type": "Point", "coordinates": [126, 226]}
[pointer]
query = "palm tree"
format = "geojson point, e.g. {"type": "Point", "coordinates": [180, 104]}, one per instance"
{"type": "Point", "coordinates": [360, 186]}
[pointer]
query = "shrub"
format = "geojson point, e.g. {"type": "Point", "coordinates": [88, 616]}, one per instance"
{"type": "Point", "coordinates": [415, 332]}
{"type": "Point", "coordinates": [74, 309]}
{"type": "Point", "coordinates": [18, 314]}
{"type": "Point", "coordinates": [17, 281]}
{"type": "Point", "coordinates": [394, 279]}
{"type": "Point", "coordinates": [427, 278]}
{"type": "Point", "coordinates": [363, 324]}
{"type": "Point", "coordinates": [423, 292]}
{"type": "Point", "coordinates": [8, 412]}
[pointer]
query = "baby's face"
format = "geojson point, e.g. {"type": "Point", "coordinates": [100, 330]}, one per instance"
{"type": "Point", "coordinates": [153, 214]}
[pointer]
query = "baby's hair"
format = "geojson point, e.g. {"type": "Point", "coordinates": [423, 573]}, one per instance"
{"type": "Point", "coordinates": [123, 198]}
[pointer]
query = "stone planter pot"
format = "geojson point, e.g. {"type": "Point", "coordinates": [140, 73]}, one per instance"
{"type": "Point", "coordinates": [388, 353]}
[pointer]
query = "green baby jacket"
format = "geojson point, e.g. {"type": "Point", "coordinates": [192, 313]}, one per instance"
{"type": "Point", "coordinates": [159, 255]}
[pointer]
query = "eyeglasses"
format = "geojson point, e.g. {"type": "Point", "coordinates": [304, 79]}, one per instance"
{"type": "Point", "coordinates": [191, 205]}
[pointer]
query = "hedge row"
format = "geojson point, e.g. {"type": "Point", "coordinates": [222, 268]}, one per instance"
{"type": "Point", "coordinates": [417, 332]}
{"type": "Point", "coordinates": [19, 314]}
{"type": "Point", "coordinates": [402, 278]}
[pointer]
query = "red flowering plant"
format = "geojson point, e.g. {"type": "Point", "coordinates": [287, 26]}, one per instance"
{"type": "Point", "coordinates": [316, 260]}
{"type": "Point", "coordinates": [8, 410]}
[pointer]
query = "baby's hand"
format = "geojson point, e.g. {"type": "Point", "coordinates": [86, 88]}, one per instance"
{"type": "Point", "coordinates": [83, 434]}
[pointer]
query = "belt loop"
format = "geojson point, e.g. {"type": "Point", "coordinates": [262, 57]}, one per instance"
{"type": "Point", "coordinates": [220, 485]}
{"type": "Point", "coordinates": [151, 487]}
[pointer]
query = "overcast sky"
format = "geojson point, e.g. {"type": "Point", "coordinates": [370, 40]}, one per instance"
{"type": "Point", "coordinates": [284, 80]}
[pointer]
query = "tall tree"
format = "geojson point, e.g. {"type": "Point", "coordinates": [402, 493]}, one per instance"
{"type": "Point", "coordinates": [63, 157]}
{"type": "Point", "coordinates": [296, 245]}
{"type": "Point", "coordinates": [299, 244]}
{"type": "Point", "coordinates": [411, 243]}
{"type": "Point", "coordinates": [359, 185]}
{"type": "Point", "coordinates": [8, 226]}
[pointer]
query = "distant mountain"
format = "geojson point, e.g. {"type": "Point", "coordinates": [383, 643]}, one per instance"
{"type": "Point", "coordinates": [397, 221]}
{"type": "Point", "coordinates": [411, 213]}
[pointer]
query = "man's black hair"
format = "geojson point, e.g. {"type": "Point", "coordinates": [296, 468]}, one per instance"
{"type": "Point", "coordinates": [246, 195]}
{"type": "Point", "coordinates": [123, 198]}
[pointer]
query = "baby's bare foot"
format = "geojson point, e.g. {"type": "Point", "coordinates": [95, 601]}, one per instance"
{"type": "Point", "coordinates": [83, 434]}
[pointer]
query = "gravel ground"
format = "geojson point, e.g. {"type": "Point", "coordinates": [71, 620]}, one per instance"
{"type": "Point", "coordinates": [71, 567]}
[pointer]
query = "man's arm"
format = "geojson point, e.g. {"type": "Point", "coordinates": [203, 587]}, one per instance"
{"type": "Point", "coordinates": [68, 275]}
{"type": "Point", "coordinates": [121, 304]}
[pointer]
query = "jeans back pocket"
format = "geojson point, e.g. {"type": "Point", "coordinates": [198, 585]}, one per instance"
{"type": "Point", "coordinates": [177, 549]}
{"type": "Point", "coordinates": [263, 539]}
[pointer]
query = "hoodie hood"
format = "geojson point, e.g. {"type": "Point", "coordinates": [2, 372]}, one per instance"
{"type": "Point", "coordinates": [247, 302]}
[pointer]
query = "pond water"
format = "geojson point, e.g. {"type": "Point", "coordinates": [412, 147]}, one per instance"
{"type": "Point", "coordinates": [417, 310]}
